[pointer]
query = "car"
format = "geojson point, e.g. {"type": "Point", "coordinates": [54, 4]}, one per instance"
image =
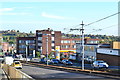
{"type": "Point", "coordinates": [54, 61]}
{"type": "Point", "coordinates": [67, 62]}
{"type": "Point", "coordinates": [17, 64]}
{"type": "Point", "coordinates": [42, 60]}
{"type": "Point", "coordinates": [1, 58]}
{"type": "Point", "coordinates": [100, 64]}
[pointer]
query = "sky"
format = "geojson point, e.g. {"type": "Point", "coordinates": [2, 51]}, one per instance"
{"type": "Point", "coordinates": [35, 15]}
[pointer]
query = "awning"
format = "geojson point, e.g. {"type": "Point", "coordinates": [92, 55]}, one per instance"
{"type": "Point", "coordinates": [67, 51]}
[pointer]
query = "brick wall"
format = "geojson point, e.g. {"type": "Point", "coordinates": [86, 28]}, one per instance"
{"type": "Point", "coordinates": [112, 60]}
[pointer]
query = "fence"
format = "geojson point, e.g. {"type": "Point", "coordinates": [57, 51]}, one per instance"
{"type": "Point", "coordinates": [15, 74]}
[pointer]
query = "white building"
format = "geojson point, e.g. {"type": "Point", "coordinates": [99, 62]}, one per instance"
{"type": "Point", "coordinates": [89, 50]}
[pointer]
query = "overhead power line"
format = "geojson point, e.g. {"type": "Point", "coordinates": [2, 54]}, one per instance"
{"type": "Point", "coordinates": [102, 19]}
{"type": "Point", "coordinates": [94, 21]}
{"type": "Point", "coordinates": [103, 28]}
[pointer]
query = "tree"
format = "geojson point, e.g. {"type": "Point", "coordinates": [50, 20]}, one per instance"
{"type": "Point", "coordinates": [38, 54]}
{"type": "Point", "coordinates": [18, 31]}
{"type": "Point", "coordinates": [30, 32]}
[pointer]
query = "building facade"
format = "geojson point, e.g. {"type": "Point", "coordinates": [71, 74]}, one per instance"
{"type": "Point", "coordinates": [116, 45]}
{"type": "Point", "coordinates": [89, 50]}
{"type": "Point", "coordinates": [5, 47]}
{"type": "Point", "coordinates": [68, 46]}
{"type": "Point", "coordinates": [111, 56]}
{"type": "Point", "coordinates": [47, 41]}
{"type": "Point", "coordinates": [26, 44]}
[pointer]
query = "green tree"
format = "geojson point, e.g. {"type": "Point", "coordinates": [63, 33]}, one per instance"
{"type": "Point", "coordinates": [38, 54]}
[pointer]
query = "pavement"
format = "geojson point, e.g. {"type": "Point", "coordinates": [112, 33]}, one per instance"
{"type": "Point", "coordinates": [2, 75]}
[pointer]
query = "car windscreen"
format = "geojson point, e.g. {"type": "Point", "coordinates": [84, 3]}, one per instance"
{"type": "Point", "coordinates": [1, 56]}
{"type": "Point", "coordinates": [55, 60]}
{"type": "Point", "coordinates": [101, 62]}
{"type": "Point", "coordinates": [17, 62]}
{"type": "Point", "coordinates": [67, 61]}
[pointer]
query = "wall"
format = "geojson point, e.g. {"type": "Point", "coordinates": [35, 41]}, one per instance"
{"type": "Point", "coordinates": [112, 60]}
{"type": "Point", "coordinates": [111, 56]}
{"type": "Point", "coordinates": [116, 45]}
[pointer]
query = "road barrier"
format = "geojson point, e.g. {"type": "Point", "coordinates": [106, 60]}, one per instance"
{"type": "Point", "coordinates": [14, 74]}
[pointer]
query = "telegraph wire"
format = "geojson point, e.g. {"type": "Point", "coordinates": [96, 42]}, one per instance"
{"type": "Point", "coordinates": [103, 28]}
{"type": "Point", "coordinates": [102, 19]}
{"type": "Point", "coordinates": [93, 22]}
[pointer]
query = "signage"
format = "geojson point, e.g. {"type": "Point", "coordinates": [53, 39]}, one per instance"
{"type": "Point", "coordinates": [108, 51]}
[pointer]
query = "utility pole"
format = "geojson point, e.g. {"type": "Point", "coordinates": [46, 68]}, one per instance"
{"type": "Point", "coordinates": [82, 29]}
{"type": "Point", "coordinates": [82, 45]}
{"type": "Point", "coordinates": [47, 49]}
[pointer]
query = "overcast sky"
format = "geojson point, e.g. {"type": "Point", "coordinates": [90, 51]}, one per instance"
{"type": "Point", "coordinates": [33, 15]}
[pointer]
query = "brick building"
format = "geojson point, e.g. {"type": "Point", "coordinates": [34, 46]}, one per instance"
{"type": "Point", "coordinates": [68, 46]}
{"type": "Point", "coordinates": [50, 37]}
{"type": "Point", "coordinates": [23, 42]}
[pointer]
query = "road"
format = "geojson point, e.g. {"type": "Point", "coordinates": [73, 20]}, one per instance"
{"type": "Point", "coordinates": [37, 72]}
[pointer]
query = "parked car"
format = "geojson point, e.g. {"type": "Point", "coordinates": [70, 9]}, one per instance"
{"type": "Point", "coordinates": [67, 62]}
{"type": "Point", "coordinates": [54, 61]}
{"type": "Point", "coordinates": [42, 61]}
{"type": "Point", "coordinates": [100, 64]}
{"type": "Point", "coordinates": [17, 64]}
{"type": "Point", "coordinates": [1, 58]}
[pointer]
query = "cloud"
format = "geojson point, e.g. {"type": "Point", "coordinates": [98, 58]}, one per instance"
{"type": "Point", "coordinates": [6, 9]}
{"type": "Point", "coordinates": [51, 16]}
{"type": "Point", "coordinates": [14, 13]}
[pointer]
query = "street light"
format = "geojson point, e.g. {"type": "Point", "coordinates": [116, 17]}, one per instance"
{"type": "Point", "coordinates": [26, 50]}
{"type": "Point", "coordinates": [47, 46]}
{"type": "Point", "coordinates": [47, 49]}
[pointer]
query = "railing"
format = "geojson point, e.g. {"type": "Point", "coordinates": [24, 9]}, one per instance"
{"type": "Point", "coordinates": [15, 74]}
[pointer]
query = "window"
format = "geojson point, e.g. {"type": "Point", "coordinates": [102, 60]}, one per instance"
{"type": "Point", "coordinates": [39, 38]}
{"type": "Point", "coordinates": [53, 38]}
{"type": "Point", "coordinates": [53, 47]}
{"type": "Point", "coordinates": [67, 46]}
{"type": "Point", "coordinates": [39, 41]}
{"type": "Point", "coordinates": [31, 41]}
{"type": "Point", "coordinates": [40, 35]}
{"type": "Point", "coordinates": [31, 46]}
{"type": "Point", "coordinates": [66, 41]}
{"type": "Point", "coordinates": [22, 46]}
{"type": "Point", "coordinates": [73, 46]}
{"type": "Point", "coordinates": [73, 41]}
{"type": "Point", "coordinates": [53, 35]}
{"type": "Point", "coordinates": [53, 41]}
{"type": "Point", "coordinates": [62, 41]}
{"type": "Point", "coordinates": [21, 41]}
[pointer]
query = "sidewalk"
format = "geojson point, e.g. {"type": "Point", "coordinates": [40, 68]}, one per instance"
{"type": "Point", "coordinates": [2, 75]}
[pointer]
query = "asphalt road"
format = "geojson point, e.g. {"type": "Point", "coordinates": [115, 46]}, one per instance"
{"type": "Point", "coordinates": [37, 72]}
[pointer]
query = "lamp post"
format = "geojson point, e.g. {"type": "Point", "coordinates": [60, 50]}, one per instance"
{"type": "Point", "coordinates": [47, 49]}
{"type": "Point", "coordinates": [26, 50]}
{"type": "Point", "coordinates": [47, 46]}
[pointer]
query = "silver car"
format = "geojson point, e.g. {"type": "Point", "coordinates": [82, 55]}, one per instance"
{"type": "Point", "coordinates": [100, 64]}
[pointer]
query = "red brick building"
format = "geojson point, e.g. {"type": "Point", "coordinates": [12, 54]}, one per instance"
{"type": "Point", "coordinates": [50, 37]}
{"type": "Point", "coordinates": [68, 46]}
